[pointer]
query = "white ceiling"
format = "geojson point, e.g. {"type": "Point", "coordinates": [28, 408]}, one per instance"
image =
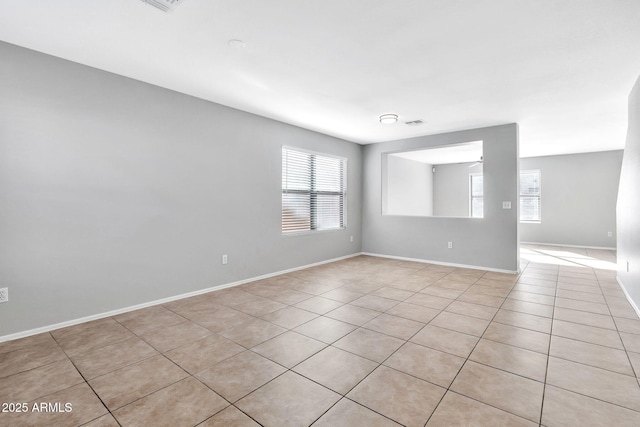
{"type": "Point", "coordinates": [562, 69]}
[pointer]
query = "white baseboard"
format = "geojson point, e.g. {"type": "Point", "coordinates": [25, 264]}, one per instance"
{"type": "Point", "coordinates": [626, 294]}
{"type": "Point", "coordinates": [568, 246]}
{"type": "Point", "coordinates": [448, 264]}
{"type": "Point", "coordinates": [72, 322]}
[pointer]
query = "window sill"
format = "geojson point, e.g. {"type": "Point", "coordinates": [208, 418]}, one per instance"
{"type": "Point", "coordinates": [307, 232]}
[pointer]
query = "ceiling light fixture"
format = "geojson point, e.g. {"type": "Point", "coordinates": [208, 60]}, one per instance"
{"type": "Point", "coordinates": [388, 119]}
{"type": "Point", "coordinates": [164, 5]}
{"type": "Point", "coordinates": [238, 44]}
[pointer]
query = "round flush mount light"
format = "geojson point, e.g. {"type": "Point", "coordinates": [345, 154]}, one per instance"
{"type": "Point", "coordinates": [238, 44]}
{"type": "Point", "coordinates": [388, 119]}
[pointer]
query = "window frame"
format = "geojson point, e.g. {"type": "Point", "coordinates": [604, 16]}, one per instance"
{"type": "Point", "coordinates": [471, 196]}
{"type": "Point", "coordinates": [520, 196]}
{"type": "Point", "coordinates": [313, 195]}
{"type": "Point", "coordinates": [538, 196]}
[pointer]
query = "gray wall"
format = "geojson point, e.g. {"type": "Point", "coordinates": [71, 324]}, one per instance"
{"type": "Point", "coordinates": [490, 242]}
{"type": "Point", "coordinates": [578, 204]}
{"type": "Point", "coordinates": [409, 187]}
{"type": "Point", "coordinates": [114, 192]}
{"type": "Point", "coordinates": [629, 203]}
{"type": "Point", "coordinates": [451, 189]}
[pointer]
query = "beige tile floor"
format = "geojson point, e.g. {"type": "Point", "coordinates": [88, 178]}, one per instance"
{"type": "Point", "coordinates": [362, 342]}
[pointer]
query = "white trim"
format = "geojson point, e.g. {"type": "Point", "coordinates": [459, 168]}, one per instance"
{"type": "Point", "coordinates": [626, 294]}
{"type": "Point", "coordinates": [471, 197]}
{"type": "Point", "coordinates": [449, 264]}
{"type": "Point", "coordinates": [306, 232]}
{"type": "Point", "coordinates": [67, 323]}
{"type": "Point", "coordinates": [568, 246]}
{"type": "Point", "coordinates": [317, 153]}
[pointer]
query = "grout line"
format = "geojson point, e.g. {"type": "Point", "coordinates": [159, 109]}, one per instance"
{"type": "Point", "coordinates": [624, 346]}
{"type": "Point", "coordinates": [467, 359]}
{"type": "Point", "coordinates": [612, 317]}
{"type": "Point", "coordinates": [546, 370]}
{"type": "Point", "coordinates": [592, 366]}
{"type": "Point", "coordinates": [404, 343]}
{"type": "Point", "coordinates": [595, 398]}
{"type": "Point", "coordinates": [407, 341]}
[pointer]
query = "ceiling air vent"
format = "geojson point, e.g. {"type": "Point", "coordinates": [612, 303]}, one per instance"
{"type": "Point", "coordinates": [414, 123]}
{"type": "Point", "coordinates": [164, 5]}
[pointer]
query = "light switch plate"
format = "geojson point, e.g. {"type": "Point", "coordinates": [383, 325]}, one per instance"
{"type": "Point", "coordinates": [506, 205]}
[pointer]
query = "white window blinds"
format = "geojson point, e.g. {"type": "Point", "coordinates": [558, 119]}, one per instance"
{"type": "Point", "coordinates": [530, 196]}
{"type": "Point", "coordinates": [313, 191]}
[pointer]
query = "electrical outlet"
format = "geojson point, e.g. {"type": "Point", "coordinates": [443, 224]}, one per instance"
{"type": "Point", "coordinates": [610, 234]}
{"type": "Point", "coordinates": [351, 239]}
{"type": "Point", "coordinates": [4, 294]}
{"type": "Point", "coordinates": [450, 245]}
{"type": "Point", "coordinates": [225, 259]}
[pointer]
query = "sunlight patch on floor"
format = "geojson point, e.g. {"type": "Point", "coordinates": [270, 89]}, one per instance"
{"type": "Point", "coordinates": [567, 257]}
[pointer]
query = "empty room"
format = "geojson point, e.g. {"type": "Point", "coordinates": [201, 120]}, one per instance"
{"type": "Point", "coordinates": [357, 213]}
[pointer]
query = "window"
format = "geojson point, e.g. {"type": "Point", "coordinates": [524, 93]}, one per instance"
{"type": "Point", "coordinates": [477, 195]}
{"type": "Point", "coordinates": [530, 196]}
{"type": "Point", "coordinates": [313, 191]}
